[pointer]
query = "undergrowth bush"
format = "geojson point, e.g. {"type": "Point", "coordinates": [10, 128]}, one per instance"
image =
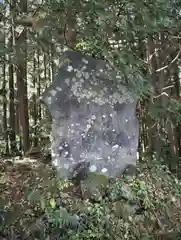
{"type": "Point", "coordinates": [148, 209]}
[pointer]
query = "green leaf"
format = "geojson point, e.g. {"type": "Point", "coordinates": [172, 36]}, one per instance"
{"type": "Point", "coordinates": [34, 195]}
{"type": "Point", "coordinates": [52, 203]}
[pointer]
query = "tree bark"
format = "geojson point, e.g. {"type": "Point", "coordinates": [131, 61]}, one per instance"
{"type": "Point", "coordinates": [22, 84]}
{"type": "Point", "coordinates": [12, 121]}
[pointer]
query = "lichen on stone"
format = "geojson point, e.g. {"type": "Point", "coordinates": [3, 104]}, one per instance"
{"type": "Point", "coordinates": [85, 116]}
{"type": "Point", "coordinates": [89, 87]}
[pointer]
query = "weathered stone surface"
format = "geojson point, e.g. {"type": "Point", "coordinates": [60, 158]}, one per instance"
{"type": "Point", "coordinates": [93, 118]}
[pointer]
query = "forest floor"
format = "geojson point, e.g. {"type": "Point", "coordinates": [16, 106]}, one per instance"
{"type": "Point", "coordinates": [18, 178]}
{"type": "Point", "coordinates": [19, 217]}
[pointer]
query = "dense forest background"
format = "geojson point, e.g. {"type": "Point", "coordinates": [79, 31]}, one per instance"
{"type": "Point", "coordinates": [140, 38]}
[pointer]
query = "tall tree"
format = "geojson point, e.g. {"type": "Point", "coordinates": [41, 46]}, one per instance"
{"type": "Point", "coordinates": [5, 123]}
{"type": "Point", "coordinates": [21, 53]}
{"type": "Point", "coordinates": [12, 125]}
{"type": "Point", "coordinates": [4, 86]}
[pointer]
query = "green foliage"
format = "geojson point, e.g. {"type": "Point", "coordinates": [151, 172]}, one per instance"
{"type": "Point", "coordinates": [143, 207]}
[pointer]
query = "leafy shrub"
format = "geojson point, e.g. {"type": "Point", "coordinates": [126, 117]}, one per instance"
{"type": "Point", "coordinates": [143, 207]}
{"type": "Point", "coordinates": [149, 207]}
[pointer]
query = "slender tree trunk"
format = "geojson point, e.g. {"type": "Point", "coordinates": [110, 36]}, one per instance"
{"type": "Point", "coordinates": [5, 122]}
{"type": "Point", "coordinates": [71, 34]}
{"type": "Point", "coordinates": [22, 84]}
{"type": "Point", "coordinates": [12, 133]}
{"type": "Point", "coordinates": [52, 63]}
{"type": "Point", "coordinates": [174, 130]}
{"type": "Point", "coordinates": [45, 67]}
{"type": "Point", "coordinates": [35, 106]}
{"type": "Point", "coordinates": [154, 144]}
{"type": "Point", "coordinates": [39, 86]}
{"type": "Point", "coordinates": [12, 125]}
{"type": "Point", "coordinates": [4, 95]}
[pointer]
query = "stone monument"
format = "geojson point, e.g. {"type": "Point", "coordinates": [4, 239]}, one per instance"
{"type": "Point", "coordinates": [94, 123]}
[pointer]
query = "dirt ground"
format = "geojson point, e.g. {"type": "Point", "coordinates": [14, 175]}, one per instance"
{"type": "Point", "coordinates": [18, 178]}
